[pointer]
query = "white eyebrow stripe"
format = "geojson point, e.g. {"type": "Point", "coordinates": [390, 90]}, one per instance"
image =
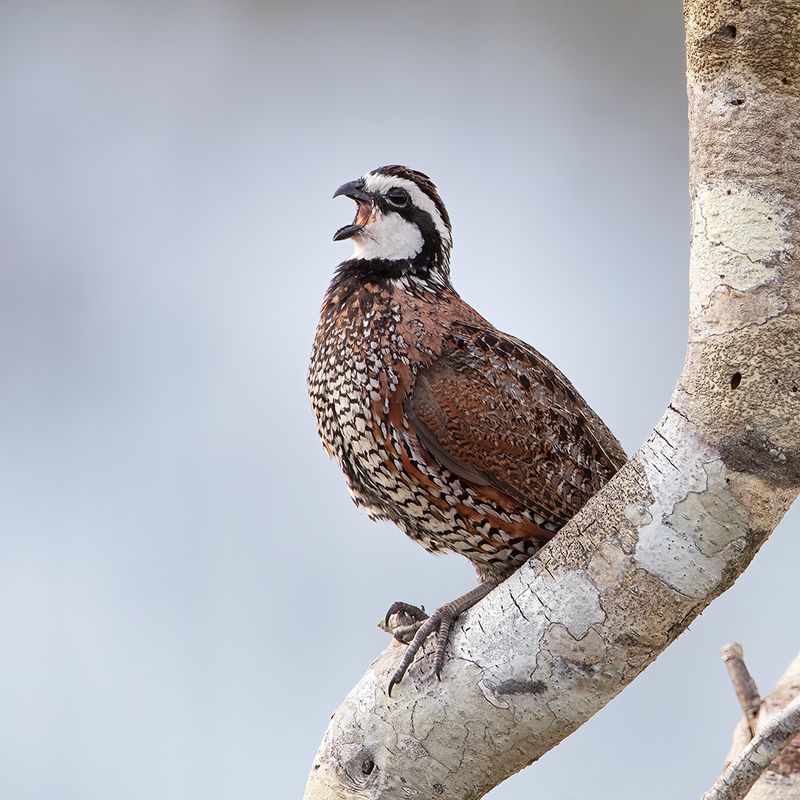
{"type": "Point", "coordinates": [380, 184]}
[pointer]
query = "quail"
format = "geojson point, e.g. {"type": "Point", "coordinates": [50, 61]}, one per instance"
{"type": "Point", "coordinates": [465, 437]}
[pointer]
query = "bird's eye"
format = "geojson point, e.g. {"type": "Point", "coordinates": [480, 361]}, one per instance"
{"type": "Point", "coordinates": [397, 197]}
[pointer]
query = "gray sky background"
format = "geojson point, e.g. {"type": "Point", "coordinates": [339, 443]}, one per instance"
{"type": "Point", "coordinates": [186, 591]}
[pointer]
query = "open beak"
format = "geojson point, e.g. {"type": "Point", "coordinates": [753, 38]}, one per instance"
{"type": "Point", "coordinates": [355, 191]}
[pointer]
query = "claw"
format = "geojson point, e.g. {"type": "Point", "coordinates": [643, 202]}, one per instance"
{"type": "Point", "coordinates": [440, 621]}
{"type": "Point", "coordinates": [416, 613]}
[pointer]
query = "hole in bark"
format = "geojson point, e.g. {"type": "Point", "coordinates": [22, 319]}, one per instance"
{"type": "Point", "coordinates": [367, 766]}
{"type": "Point", "coordinates": [737, 101]}
{"type": "Point", "coordinates": [785, 81]}
{"type": "Point", "coordinates": [729, 31]}
{"type": "Point", "coordinates": [728, 192]}
{"type": "Point", "coordinates": [736, 379]}
{"type": "Point", "coordinates": [795, 389]}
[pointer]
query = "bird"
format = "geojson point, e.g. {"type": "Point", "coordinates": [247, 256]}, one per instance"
{"type": "Point", "coordinates": [466, 438]}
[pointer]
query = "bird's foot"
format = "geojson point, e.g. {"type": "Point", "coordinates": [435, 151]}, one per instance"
{"type": "Point", "coordinates": [441, 621]}
{"type": "Point", "coordinates": [402, 621]}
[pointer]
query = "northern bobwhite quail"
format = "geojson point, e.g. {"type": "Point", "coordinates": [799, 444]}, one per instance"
{"type": "Point", "coordinates": [466, 438]}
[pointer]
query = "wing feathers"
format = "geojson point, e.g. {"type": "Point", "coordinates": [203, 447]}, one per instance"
{"type": "Point", "coordinates": [493, 411]}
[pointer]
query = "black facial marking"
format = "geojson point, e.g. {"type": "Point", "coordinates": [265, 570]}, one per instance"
{"type": "Point", "coordinates": [431, 256]}
{"type": "Point", "coordinates": [421, 180]}
{"type": "Point", "coordinates": [431, 263]}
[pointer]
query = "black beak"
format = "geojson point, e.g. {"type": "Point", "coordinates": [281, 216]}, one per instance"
{"type": "Point", "coordinates": [346, 232]}
{"type": "Point", "coordinates": [355, 191]}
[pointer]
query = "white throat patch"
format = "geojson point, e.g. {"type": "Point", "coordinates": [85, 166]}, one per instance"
{"type": "Point", "coordinates": [388, 236]}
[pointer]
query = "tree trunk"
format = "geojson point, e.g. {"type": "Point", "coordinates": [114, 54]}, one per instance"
{"type": "Point", "coordinates": [569, 630]}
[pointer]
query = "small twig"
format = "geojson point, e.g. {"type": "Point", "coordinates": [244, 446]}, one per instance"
{"type": "Point", "coordinates": [740, 776]}
{"type": "Point", "coordinates": [743, 683]}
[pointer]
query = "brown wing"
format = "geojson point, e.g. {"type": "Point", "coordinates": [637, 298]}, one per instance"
{"type": "Point", "coordinates": [495, 412]}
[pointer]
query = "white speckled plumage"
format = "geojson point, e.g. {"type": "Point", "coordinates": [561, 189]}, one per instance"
{"type": "Point", "coordinates": [466, 438]}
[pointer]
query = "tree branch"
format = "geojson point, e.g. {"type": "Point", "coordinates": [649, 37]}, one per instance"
{"type": "Point", "coordinates": [569, 630]}
{"type": "Point", "coordinates": [743, 683]}
{"type": "Point", "coordinates": [768, 766]}
{"type": "Point", "coordinates": [739, 777]}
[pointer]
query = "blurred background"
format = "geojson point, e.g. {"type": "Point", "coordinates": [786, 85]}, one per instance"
{"type": "Point", "coordinates": [186, 590]}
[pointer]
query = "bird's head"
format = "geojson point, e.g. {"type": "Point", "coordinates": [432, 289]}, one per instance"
{"type": "Point", "coordinates": [401, 226]}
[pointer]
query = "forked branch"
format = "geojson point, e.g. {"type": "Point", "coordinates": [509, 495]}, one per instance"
{"type": "Point", "coordinates": [764, 763]}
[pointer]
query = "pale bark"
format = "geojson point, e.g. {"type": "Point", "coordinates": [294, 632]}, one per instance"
{"type": "Point", "coordinates": [754, 759]}
{"type": "Point", "coordinates": [567, 632]}
{"type": "Point", "coordinates": [770, 761]}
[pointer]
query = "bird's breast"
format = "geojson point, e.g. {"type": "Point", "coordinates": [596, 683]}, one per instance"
{"type": "Point", "coordinates": [359, 363]}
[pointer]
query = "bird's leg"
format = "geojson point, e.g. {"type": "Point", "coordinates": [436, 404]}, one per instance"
{"type": "Point", "coordinates": [440, 621]}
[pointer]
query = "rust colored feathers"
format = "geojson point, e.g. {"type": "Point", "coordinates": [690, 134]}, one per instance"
{"type": "Point", "coordinates": [468, 439]}
{"type": "Point", "coordinates": [495, 412]}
